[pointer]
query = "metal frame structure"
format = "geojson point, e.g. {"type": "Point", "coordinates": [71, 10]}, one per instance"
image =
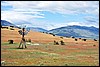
{"type": "Point", "coordinates": [23, 32]}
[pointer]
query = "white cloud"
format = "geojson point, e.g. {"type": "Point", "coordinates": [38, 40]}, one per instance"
{"type": "Point", "coordinates": [27, 11]}
{"type": "Point", "coordinates": [20, 17]}
{"type": "Point", "coordinates": [91, 18]}
{"type": "Point", "coordinates": [88, 24]}
{"type": "Point", "coordinates": [50, 26]}
{"type": "Point", "coordinates": [56, 6]}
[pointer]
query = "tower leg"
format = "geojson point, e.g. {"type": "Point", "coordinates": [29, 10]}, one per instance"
{"type": "Point", "coordinates": [20, 43]}
{"type": "Point", "coordinates": [22, 46]}
{"type": "Point", "coordinates": [25, 44]}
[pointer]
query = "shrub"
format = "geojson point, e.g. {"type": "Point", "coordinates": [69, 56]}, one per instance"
{"type": "Point", "coordinates": [94, 45]}
{"type": "Point", "coordinates": [61, 37]}
{"type": "Point", "coordinates": [62, 43]}
{"type": "Point", "coordinates": [56, 43]}
{"type": "Point", "coordinates": [95, 40]}
{"type": "Point", "coordinates": [75, 39]}
{"type": "Point", "coordinates": [12, 26]}
{"type": "Point", "coordinates": [29, 40]}
{"type": "Point", "coordinates": [53, 34]}
{"type": "Point", "coordinates": [84, 39]}
{"type": "Point", "coordinates": [11, 29]}
{"type": "Point", "coordinates": [10, 41]}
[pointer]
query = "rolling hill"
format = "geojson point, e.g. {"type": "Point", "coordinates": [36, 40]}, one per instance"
{"type": "Point", "coordinates": [67, 31]}
{"type": "Point", "coordinates": [6, 23]}
{"type": "Point", "coordinates": [37, 29]}
{"type": "Point", "coordinates": [36, 37]}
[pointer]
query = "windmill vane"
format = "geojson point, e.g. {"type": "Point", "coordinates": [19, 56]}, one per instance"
{"type": "Point", "coordinates": [25, 32]}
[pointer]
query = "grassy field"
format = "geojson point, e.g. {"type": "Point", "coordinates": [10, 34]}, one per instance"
{"type": "Point", "coordinates": [70, 54]}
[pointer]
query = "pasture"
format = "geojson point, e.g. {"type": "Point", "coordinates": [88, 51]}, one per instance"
{"type": "Point", "coordinates": [48, 54]}
{"type": "Point", "coordinates": [43, 52]}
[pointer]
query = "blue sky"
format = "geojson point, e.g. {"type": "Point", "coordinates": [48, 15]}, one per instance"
{"type": "Point", "coordinates": [51, 14]}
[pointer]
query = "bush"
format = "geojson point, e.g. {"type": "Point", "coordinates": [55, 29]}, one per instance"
{"type": "Point", "coordinates": [62, 43]}
{"type": "Point", "coordinates": [56, 43]}
{"type": "Point", "coordinates": [75, 39]}
{"type": "Point", "coordinates": [29, 40]}
{"type": "Point", "coordinates": [94, 45]}
{"type": "Point", "coordinates": [95, 40]}
{"type": "Point", "coordinates": [12, 26]}
{"type": "Point", "coordinates": [11, 29]}
{"type": "Point", "coordinates": [53, 34]}
{"type": "Point", "coordinates": [61, 37]}
{"type": "Point", "coordinates": [10, 41]}
{"type": "Point", "coordinates": [84, 39]}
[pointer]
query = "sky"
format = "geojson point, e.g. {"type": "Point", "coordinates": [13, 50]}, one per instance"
{"type": "Point", "coordinates": [51, 14]}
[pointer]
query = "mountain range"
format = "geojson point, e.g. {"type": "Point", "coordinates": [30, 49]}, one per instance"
{"type": "Point", "coordinates": [37, 29]}
{"type": "Point", "coordinates": [77, 31]}
{"type": "Point", "coordinates": [66, 31]}
{"type": "Point", "coordinates": [7, 23]}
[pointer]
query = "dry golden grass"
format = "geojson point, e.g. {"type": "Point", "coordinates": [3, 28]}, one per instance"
{"type": "Point", "coordinates": [73, 53]}
{"type": "Point", "coordinates": [7, 34]}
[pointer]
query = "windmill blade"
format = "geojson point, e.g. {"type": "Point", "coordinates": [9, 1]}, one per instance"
{"type": "Point", "coordinates": [20, 32]}
{"type": "Point", "coordinates": [26, 32]}
{"type": "Point", "coordinates": [28, 29]}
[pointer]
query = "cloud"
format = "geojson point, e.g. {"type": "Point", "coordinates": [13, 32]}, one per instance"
{"type": "Point", "coordinates": [56, 6]}
{"type": "Point", "coordinates": [20, 17]}
{"type": "Point", "coordinates": [88, 24]}
{"type": "Point", "coordinates": [25, 12]}
{"type": "Point", "coordinates": [91, 19]}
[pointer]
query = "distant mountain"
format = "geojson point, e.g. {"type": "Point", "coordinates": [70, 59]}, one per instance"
{"type": "Point", "coordinates": [6, 23]}
{"type": "Point", "coordinates": [37, 29]}
{"type": "Point", "coordinates": [77, 31]}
